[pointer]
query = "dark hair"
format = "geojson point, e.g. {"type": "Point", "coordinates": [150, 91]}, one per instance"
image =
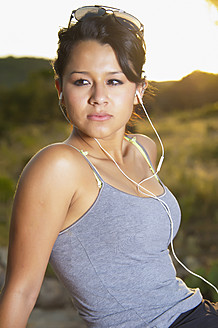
{"type": "Point", "coordinates": [129, 46]}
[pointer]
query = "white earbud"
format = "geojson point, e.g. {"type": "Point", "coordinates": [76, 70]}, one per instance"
{"type": "Point", "coordinates": [152, 195]}
{"type": "Point", "coordinates": [60, 105]}
{"type": "Point", "coordinates": [138, 95]}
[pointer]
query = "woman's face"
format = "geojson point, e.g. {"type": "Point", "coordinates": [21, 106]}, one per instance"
{"type": "Point", "coordinates": [98, 96]}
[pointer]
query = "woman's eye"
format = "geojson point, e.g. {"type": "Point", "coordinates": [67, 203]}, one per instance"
{"type": "Point", "coordinates": [114, 82]}
{"type": "Point", "coordinates": [81, 82]}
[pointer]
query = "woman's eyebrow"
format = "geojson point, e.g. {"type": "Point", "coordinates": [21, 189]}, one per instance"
{"type": "Point", "coordinates": [79, 72]}
{"type": "Point", "coordinates": [88, 73]}
{"type": "Point", "coordinates": [117, 72]}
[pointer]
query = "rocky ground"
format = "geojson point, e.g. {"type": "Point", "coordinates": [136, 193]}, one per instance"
{"type": "Point", "coordinates": [55, 318]}
{"type": "Point", "coordinates": [53, 308]}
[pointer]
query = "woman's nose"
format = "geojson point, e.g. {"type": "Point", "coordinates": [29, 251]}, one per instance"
{"type": "Point", "coordinates": [98, 95]}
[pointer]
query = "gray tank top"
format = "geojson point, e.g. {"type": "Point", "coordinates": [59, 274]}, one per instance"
{"type": "Point", "coordinates": [115, 263]}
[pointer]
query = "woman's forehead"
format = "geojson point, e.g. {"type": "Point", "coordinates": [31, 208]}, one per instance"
{"type": "Point", "coordinates": [92, 54]}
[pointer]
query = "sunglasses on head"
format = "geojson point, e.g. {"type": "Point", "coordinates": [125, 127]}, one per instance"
{"type": "Point", "coordinates": [125, 19]}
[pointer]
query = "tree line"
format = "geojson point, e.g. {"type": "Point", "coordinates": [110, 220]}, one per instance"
{"type": "Point", "coordinates": [28, 95]}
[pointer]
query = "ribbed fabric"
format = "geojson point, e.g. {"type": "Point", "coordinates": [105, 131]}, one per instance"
{"type": "Point", "coordinates": [115, 263]}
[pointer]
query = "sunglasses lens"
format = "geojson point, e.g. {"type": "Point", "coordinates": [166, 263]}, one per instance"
{"type": "Point", "coordinates": [85, 12]}
{"type": "Point", "coordinates": [128, 21]}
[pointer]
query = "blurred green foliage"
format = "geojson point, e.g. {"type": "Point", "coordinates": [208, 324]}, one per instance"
{"type": "Point", "coordinates": [190, 171]}
{"type": "Point", "coordinates": [6, 189]}
{"type": "Point", "coordinates": [185, 114]}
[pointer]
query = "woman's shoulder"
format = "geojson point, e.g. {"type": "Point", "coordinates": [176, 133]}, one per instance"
{"type": "Point", "coordinates": [54, 160]}
{"type": "Point", "coordinates": [148, 144]}
{"type": "Point", "coordinates": [55, 154]}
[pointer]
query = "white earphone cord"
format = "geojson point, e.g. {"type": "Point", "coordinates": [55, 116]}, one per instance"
{"type": "Point", "coordinates": [152, 125]}
{"type": "Point", "coordinates": [165, 206]}
{"type": "Point", "coordinates": [61, 108]}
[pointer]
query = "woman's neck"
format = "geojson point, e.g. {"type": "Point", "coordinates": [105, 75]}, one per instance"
{"type": "Point", "coordinates": [115, 145]}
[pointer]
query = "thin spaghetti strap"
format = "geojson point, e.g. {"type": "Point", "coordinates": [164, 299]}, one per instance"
{"type": "Point", "coordinates": [143, 152]}
{"type": "Point", "coordinates": [95, 171]}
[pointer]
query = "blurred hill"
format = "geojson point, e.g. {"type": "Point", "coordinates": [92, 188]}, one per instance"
{"type": "Point", "coordinates": [185, 113]}
{"type": "Point", "coordinates": [28, 95]}
{"type": "Point", "coordinates": [27, 92]}
{"type": "Point", "coordinates": [14, 71]}
{"type": "Point", "coordinates": [194, 90]}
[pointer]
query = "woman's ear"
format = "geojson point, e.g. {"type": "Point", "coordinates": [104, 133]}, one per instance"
{"type": "Point", "coordinates": [58, 87]}
{"type": "Point", "coordinates": [140, 89]}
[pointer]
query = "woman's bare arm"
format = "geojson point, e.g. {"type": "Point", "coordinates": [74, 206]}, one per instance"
{"type": "Point", "coordinates": [40, 207]}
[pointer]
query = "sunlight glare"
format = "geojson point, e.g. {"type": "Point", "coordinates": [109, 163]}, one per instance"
{"type": "Point", "coordinates": [181, 35]}
{"type": "Point", "coordinates": [184, 38]}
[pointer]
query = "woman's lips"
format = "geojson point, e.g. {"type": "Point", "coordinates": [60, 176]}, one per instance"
{"type": "Point", "coordinates": [99, 117]}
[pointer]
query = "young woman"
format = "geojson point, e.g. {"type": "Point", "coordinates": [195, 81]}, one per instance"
{"type": "Point", "coordinates": [94, 204]}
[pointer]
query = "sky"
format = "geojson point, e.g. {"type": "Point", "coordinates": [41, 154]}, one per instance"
{"type": "Point", "coordinates": [181, 35]}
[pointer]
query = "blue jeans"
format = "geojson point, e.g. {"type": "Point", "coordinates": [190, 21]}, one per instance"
{"type": "Point", "coordinates": [205, 315]}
